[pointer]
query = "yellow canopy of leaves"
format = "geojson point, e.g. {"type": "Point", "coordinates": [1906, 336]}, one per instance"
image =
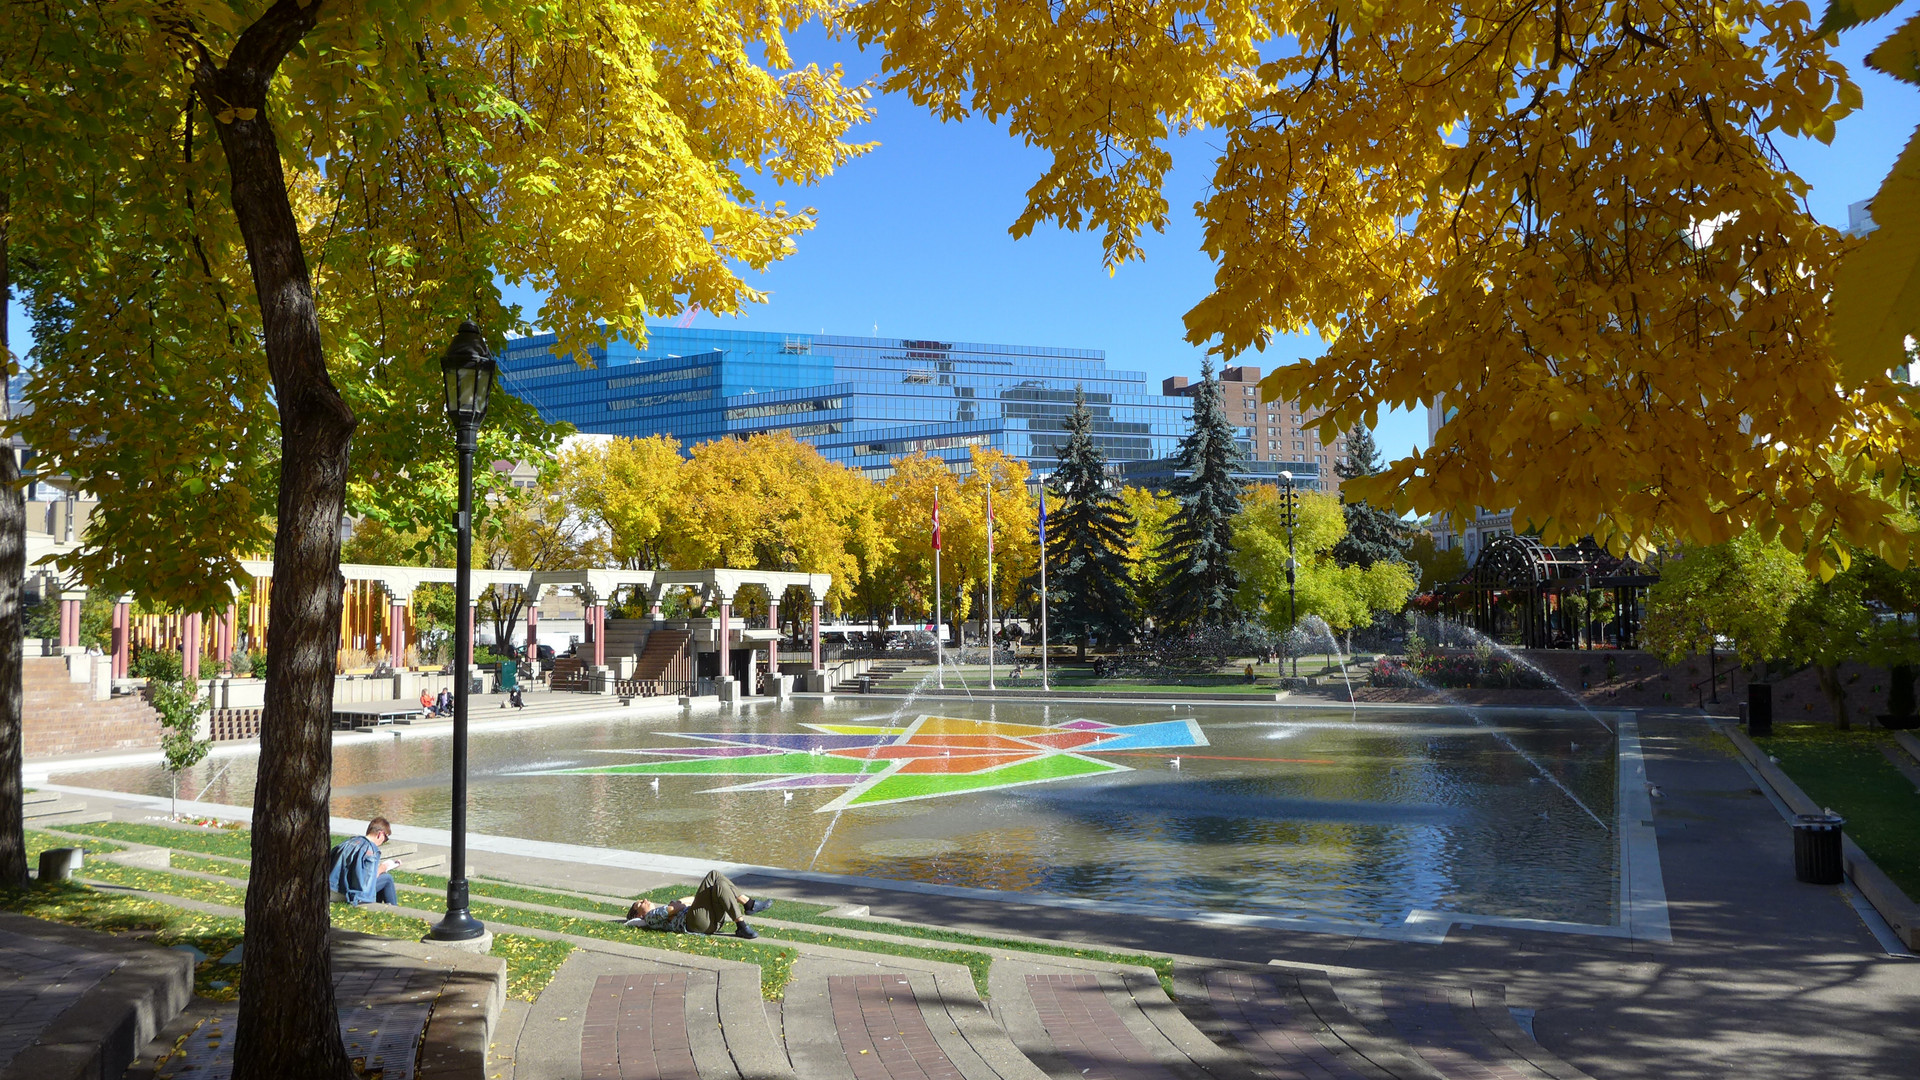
{"type": "Point", "coordinates": [1568, 220]}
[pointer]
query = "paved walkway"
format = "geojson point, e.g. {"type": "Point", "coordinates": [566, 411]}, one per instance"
{"type": "Point", "coordinates": [1764, 978]}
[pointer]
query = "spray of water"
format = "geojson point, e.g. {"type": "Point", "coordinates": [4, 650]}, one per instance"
{"type": "Point", "coordinates": [1481, 722]}
{"type": "Point", "coordinates": [1318, 627]}
{"type": "Point", "coordinates": [893, 720]}
{"type": "Point", "coordinates": [1478, 638]}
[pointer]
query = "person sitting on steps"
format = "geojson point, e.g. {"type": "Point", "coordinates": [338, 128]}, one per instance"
{"type": "Point", "coordinates": [358, 872]}
{"type": "Point", "coordinates": [714, 902]}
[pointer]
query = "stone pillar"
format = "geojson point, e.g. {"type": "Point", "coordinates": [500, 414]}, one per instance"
{"type": "Point", "coordinates": [597, 628]}
{"type": "Point", "coordinates": [721, 643]}
{"type": "Point", "coordinates": [397, 630]}
{"type": "Point", "coordinates": [816, 634]}
{"type": "Point", "coordinates": [773, 647]}
{"type": "Point", "coordinates": [653, 597]}
{"type": "Point", "coordinates": [71, 599]}
{"type": "Point", "coordinates": [533, 624]}
{"type": "Point", "coordinates": [473, 627]}
{"type": "Point", "coordinates": [223, 634]}
{"type": "Point", "coordinates": [122, 636]}
{"type": "Point", "coordinates": [190, 646]}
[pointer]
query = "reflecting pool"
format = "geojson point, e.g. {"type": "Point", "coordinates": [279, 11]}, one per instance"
{"type": "Point", "coordinates": [1223, 808]}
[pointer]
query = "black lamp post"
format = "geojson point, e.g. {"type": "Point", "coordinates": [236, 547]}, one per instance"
{"type": "Point", "coordinates": [468, 369]}
{"type": "Point", "coordinates": [1293, 612]}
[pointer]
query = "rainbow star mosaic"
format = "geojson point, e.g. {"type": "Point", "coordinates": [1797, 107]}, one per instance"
{"type": "Point", "coordinates": [932, 757]}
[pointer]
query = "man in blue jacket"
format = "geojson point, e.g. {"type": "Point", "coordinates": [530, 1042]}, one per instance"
{"type": "Point", "coordinates": [358, 871]}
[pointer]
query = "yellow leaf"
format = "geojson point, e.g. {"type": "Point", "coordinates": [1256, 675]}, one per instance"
{"type": "Point", "coordinates": [1876, 290]}
{"type": "Point", "coordinates": [1899, 55]}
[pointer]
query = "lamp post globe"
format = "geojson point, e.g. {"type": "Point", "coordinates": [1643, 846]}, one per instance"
{"type": "Point", "coordinates": [467, 369]}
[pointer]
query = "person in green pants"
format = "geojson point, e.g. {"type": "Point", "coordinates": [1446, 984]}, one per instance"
{"type": "Point", "coordinates": [713, 903]}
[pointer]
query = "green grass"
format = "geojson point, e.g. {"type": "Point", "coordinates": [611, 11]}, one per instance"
{"type": "Point", "coordinates": [776, 967]}
{"type": "Point", "coordinates": [1845, 770]}
{"type": "Point", "coordinates": [234, 843]}
{"type": "Point", "coordinates": [38, 842]}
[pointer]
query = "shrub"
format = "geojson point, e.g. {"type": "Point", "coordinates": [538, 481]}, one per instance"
{"type": "Point", "coordinates": [163, 665]}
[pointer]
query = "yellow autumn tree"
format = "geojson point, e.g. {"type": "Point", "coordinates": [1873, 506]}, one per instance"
{"type": "Point", "coordinates": [769, 502]}
{"type": "Point", "coordinates": [261, 220]}
{"type": "Point", "coordinates": [906, 515]}
{"type": "Point", "coordinates": [627, 488]}
{"type": "Point", "coordinates": [1566, 223]}
{"type": "Point", "coordinates": [1015, 526]}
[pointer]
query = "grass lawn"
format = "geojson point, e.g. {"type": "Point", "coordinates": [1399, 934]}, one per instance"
{"type": "Point", "coordinates": [1845, 770]}
{"type": "Point", "coordinates": [530, 967]}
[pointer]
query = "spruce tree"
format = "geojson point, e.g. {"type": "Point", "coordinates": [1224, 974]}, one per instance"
{"type": "Point", "coordinates": [1373, 535]}
{"type": "Point", "coordinates": [1086, 540]}
{"type": "Point", "coordinates": [1200, 581]}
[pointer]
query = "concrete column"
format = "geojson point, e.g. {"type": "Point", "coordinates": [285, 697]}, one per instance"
{"type": "Point", "coordinates": [122, 636]}
{"type": "Point", "coordinates": [396, 630]}
{"type": "Point", "coordinates": [773, 647]}
{"type": "Point", "coordinates": [71, 598]}
{"type": "Point", "coordinates": [533, 625]}
{"type": "Point", "coordinates": [223, 634]}
{"type": "Point", "coordinates": [816, 634]}
{"type": "Point", "coordinates": [597, 626]}
{"type": "Point", "coordinates": [723, 645]}
{"type": "Point", "coordinates": [653, 597]}
{"type": "Point", "coordinates": [473, 627]}
{"type": "Point", "coordinates": [190, 646]}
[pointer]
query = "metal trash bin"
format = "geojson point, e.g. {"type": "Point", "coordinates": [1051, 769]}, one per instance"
{"type": "Point", "coordinates": [1817, 859]}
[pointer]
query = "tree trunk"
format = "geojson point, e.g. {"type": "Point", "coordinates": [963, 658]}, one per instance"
{"type": "Point", "coordinates": [288, 1027]}
{"type": "Point", "coordinates": [1836, 692]}
{"type": "Point", "coordinates": [13, 570]}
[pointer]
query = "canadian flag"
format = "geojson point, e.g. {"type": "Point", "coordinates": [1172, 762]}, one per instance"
{"type": "Point", "coordinates": [936, 521]}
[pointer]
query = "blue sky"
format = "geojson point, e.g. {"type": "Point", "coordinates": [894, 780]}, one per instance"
{"type": "Point", "coordinates": [913, 238]}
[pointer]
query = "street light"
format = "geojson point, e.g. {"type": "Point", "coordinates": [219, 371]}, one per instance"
{"type": "Point", "coordinates": [468, 370]}
{"type": "Point", "coordinates": [1293, 614]}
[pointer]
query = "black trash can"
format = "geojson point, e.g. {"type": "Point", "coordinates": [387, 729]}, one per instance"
{"type": "Point", "coordinates": [1816, 849]}
{"type": "Point", "coordinates": [1759, 709]}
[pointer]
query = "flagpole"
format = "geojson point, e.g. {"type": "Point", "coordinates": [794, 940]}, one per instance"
{"type": "Point", "coordinates": [1044, 684]}
{"type": "Point", "coordinates": [988, 621]}
{"type": "Point", "coordinates": [939, 624]}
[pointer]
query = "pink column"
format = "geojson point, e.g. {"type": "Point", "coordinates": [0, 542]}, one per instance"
{"type": "Point", "coordinates": [816, 635]}
{"type": "Point", "coordinates": [69, 618]}
{"type": "Point", "coordinates": [726, 649]}
{"type": "Point", "coordinates": [533, 632]}
{"type": "Point", "coordinates": [190, 646]}
{"type": "Point", "coordinates": [773, 647]}
{"type": "Point", "coordinates": [597, 620]}
{"type": "Point", "coordinates": [223, 634]}
{"type": "Point", "coordinates": [473, 627]}
{"type": "Point", "coordinates": [396, 630]}
{"type": "Point", "coordinates": [122, 637]}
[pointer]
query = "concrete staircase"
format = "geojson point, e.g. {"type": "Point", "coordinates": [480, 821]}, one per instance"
{"type": "Point", "coordinates": [59, 716]}
{"type": "Point", "coordinates": [666, 658]}
{"type": "Point", "coordinates": [625, 636]}
{"type": "Point", "coordinates": [49, 808]}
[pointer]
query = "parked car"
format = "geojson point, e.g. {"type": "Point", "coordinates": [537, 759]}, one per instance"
{"type": "Point", "coordinates": [544, 653]}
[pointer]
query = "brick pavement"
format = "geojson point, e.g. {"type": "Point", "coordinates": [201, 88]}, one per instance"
{"type": "Point", "coordinates": [1426, 1019]}
{"type": "Point", "coordinates": [880, 1026]}
{"type": "Point", "coordinates": [1273, 1027]}
{"type": "Point", "coordinates": [636, 1029]}
{"type": "Point", "coordinates": [1074, 1010]}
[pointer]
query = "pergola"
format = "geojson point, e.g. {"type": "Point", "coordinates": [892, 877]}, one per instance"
{"type": "Point", "coordinates": [1519, 583]}
{"type": "Point", "coordinates": [596, 586]}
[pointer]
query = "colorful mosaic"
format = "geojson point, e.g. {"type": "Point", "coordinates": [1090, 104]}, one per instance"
{"type": "Point", "coordinates": [929, 758]}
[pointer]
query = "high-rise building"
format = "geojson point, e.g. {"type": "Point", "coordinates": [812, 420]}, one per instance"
{"type": "Point", "coordinates": [1273, 433]}
{"type": "Point", "coordinates": [865, 401]}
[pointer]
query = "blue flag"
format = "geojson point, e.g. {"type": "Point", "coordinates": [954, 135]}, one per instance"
{"type": "Point", "coordinates": [1043, 517]}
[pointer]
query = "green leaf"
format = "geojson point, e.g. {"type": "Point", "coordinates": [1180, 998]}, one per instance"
{"type": "Point", "coordinates": [1847, 14]}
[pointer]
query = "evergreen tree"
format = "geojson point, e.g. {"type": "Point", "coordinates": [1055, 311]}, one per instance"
{"type": "Point", "coordinates": [1087, 530]}
{"type": "Point", "coordinates": [1200, 581]}
{"type": "Point", "coordinates": [1373, 535]}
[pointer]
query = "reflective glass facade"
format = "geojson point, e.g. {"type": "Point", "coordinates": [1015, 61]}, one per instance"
{"type": "Point", "coordinates": [860, 401]}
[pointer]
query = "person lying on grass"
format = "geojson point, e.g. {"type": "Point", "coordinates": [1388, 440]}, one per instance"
{"type": "Point", "coordinates": [714, 902]}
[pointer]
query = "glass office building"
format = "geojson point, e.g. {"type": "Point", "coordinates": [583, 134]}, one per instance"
{"type": "Point", "coordinates": [861, 401]}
